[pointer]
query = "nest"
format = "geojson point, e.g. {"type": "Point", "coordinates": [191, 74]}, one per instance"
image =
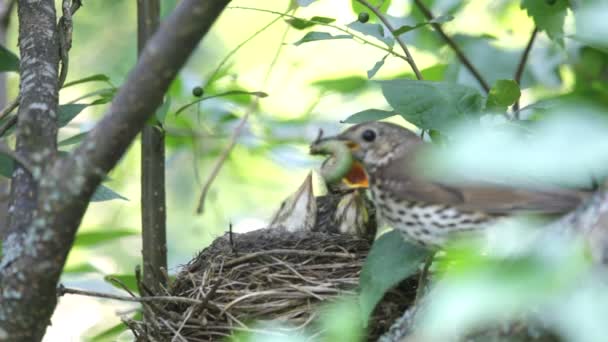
{"type": "Point", "coordinates": [265, 275]}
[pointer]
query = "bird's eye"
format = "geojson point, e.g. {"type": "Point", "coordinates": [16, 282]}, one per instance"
{"type": "Point", "coordinates": [368, 135]}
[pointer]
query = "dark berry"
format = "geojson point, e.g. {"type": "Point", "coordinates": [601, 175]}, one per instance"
{"type": "Point", "coordinates": [197, 91]}
{"type": "Point", "coordinates": [363, 17]}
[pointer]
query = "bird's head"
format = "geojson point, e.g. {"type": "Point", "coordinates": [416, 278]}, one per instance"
{"type": "Point", "coordinates": [376, 144]}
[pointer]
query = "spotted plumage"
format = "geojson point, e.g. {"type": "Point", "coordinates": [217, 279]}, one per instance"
{"type": "Point", "coordinates": [429, 212]}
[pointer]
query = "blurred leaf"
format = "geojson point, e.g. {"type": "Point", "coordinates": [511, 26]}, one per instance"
{"type": "Point", "coordinates": [86, 239]}
{"type": "Point", "coordinates": [372, 72]}
{"type": "Point", "coordinates": [549, 16]}
{"type": "Point", "coordinates": [304, 3]}
{"type": "Point", "coordinates": [112, 333]}
{"type": "Point", "coordinates": [67, 112]}
{"type": "Point", "coordinates": [369, 115]}
{"type": "Point", "coordinates": [301, 24]}
{"type": "Point", "coordinates": [103, 193]}
{"type": "Point", "coordinates": [161, 112]}
{"type": "Point", "coordinates": [75, 139]}
{"type": "Point", "coordinates": [345, 85]}
{"type": "Point", "coordinates": [434, 73]}
{"type": "Point", "coordinates": [591, 24]}
{"type": "Point", "coordinates": [8, 60]}
{"type": "Point", "coordinates": [438, 20]}
{"type": "Point", "coordinates": [432, 105]}
{"type": "Point", "coordinates": [80, 268]}
{"type": "Point", "coordinates": [358, 8]}
{"type": "Point", "coordinates": [503, 94]}
{"type": "Point", "coordinates": [341, 321]}
{"type": "Point", "coordinates": [105, 95]}
{"type": "Point", "coordinates": [315, 36]}
{"type": "Point", "coordinates": [260, 94]}
{"type": "Point", "coordinates": [390, 261]}
{"type": "Point", "coordinates": [6, 166]}
{"type": "Point", "coordinates": [126, 279]}
{"type": "Point", "coordinates": [568, 147]}
{"type": "Point", "coordinates": [497, 63]}
{"type": "Point", "coordinates": [372, 30]}
{"type": "Point", "coordinates": [93, 78]}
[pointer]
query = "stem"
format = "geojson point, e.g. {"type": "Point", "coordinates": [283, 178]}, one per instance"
{"type": "Point", "coordinates": [380, 15]}
{"type": "Point", "coordinates": [341, 29]}
{"type": "Point", "coordinates": [463, 59]}
{"type": "Point", "coordinates": [237, 131]}
{"type": "Point", "coordinates": [153, 207]}
{"type": "Point", "coordinates": [61, 290]}
{"type": "Point", "coordinates": [521, 66]}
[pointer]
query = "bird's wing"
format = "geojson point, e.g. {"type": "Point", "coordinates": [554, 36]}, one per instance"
{"type": "Point", "coordinates": [486, 197]}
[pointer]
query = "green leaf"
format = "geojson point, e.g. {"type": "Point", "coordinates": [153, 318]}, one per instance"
{"type": "Point", "coordinates": [105, 95]}
{"type": "Point", "coordinates": [75, 139]}
{"type": "Point", "coordinates": [432, 105]}
{"type": "Point", "coordinates": [503, 94]}
{"type": "Point", "coordinates": [358, 8]}
{"type": "Point", "coordinates": [301, 23]}
{"type": "Point", "coordinates": [259, 94]}
{"type": "Point", "coordinates": [369, 115]}
{"type": "Point", "coordinates": [372, 72]}
{"type": "Point", "coordinates": [438, 20]}
{"type": "Point", "coordinates": [93, 78]}
{"type": "Point", "coordinates": [8, 60]}
{"type": "Point", "coordinates": [390, 261]}
{"type": "Point", "coordinates": [161, 112]}
{"type": "Point", "coordinates": [127, 279]}
{"type": "Point", "coordinates": [345, 85]}
{"type": "Point", "coordinates": [6, 165]}
{"type": "Point", "coordinates": [67, 112]}
{"type": "Point", "coordinates": [315, 36]}
{"type": "Point", "coordinates": [549, 16]}
{"type": "Point", "coordinates": [86, 239]}
{"type": "Point", "coordinates": [103, 193]}
{"type": "Point", "coordinates": [372, 30]}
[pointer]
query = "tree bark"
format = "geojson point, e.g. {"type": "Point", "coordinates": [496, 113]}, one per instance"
{"type": "Point", "coordinates": [153, 208]}
{"type": "Point", "coordinates": [34, 254]}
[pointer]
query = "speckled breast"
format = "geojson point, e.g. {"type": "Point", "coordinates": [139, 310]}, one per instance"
{"type": "Point", "coordinates": [427, 224]}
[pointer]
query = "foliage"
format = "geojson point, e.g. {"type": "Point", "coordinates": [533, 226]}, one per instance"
{"type": "Point", "coordinates": [560, 139]}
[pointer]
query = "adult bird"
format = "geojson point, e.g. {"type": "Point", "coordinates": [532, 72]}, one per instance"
{"type": "Point", "coordinates": [427, 211]}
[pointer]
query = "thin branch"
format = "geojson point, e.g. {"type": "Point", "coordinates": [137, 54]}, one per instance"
{"type": "Point", "coordinates": [237, 131]}
{"type": "Point", "coordinates": [521, 66]}
{"type": "Point", "coordinates": [65, 29]}
{"type": "Point", "coordinates": [225, 153]}
{"type": "Point", "coordinates": [9, 109]}
{"type": "Point", "coordinates": [463, 59]}
{"type": "Point", "coordinates": [8, 125]}
{"type": "Point", "coordinates": [62, 290]}
{"type": "Point", "coordinates": [380, 15]}
{"type": "Point", "coordinates": [341, 29]}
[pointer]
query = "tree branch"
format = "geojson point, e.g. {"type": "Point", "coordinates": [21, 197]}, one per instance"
{"type": "Point", "coordinates": [153, 208]}
{"type": "Point", "coordinates": [410, 59]}
{"type": "Point", "coordinates": [521, 66]}
{"type": "Point", "coordinates": [463, 59]}
{"type": "Point", "coordinates": [34, 256]}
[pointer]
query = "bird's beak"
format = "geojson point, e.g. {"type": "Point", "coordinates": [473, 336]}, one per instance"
{"type": "Point", "coordinates": [353, 177]}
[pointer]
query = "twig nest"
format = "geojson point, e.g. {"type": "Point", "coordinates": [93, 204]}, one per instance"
{"type": "Point", "coordinates": [266, 275]}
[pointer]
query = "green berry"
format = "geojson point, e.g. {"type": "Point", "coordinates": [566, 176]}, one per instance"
{"type": "Point", "coordinates": [197, 91]}
{"type": "Point", "coordinates": [363, 17]}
